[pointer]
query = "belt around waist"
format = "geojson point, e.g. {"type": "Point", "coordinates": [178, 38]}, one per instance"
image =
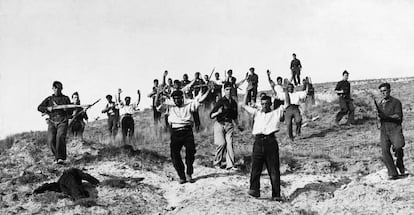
{"type": "Point", "coordinates": [292, 106]}
{"type": "Point", "coordinates": [187, 127]}
{"type": "Point", "coordinates": [265, 135]}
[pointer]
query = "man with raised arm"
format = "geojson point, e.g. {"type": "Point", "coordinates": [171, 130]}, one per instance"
{"type": "Point", "coordinates": [234, 85]}
{"type": "Point", "coordinates": [277, 89]}
{"type": "Point", "coordinates": [292, 111]}
{"type": "Point", "coordinates": [180, 118]}
{"type": "Point", "coordinates": [265, 148]}
{"type": "Point", "coordinates": [155, 89]}
{"type": "Point", "coordinates": [127, 110]}
{"type": "Point", "coordinates": [57, 122]}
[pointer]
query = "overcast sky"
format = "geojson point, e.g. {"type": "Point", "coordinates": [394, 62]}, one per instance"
{"type": "Point", "coordinates": [98, 46]}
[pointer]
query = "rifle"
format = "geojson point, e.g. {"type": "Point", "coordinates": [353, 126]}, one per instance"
{"type": "Point", "coordinates": [66, 106]}
{"type": "Point", "coordinates": [379, 111]}
{"type": "Point", "coordinates": [211, 74]}
{"type": "Point", "coordinates": [83, 110]}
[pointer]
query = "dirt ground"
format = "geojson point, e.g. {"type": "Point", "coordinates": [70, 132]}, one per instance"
{"type": "Point", "coordinates": [328, 170]}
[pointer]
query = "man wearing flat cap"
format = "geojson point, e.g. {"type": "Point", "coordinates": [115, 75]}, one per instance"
{"type": "Point", "coordinates": [57, 122]}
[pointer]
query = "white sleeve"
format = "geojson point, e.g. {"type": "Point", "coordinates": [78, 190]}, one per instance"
{"type": "Point", "coordinates": [280, 96]}
{"type": "Point", "coordinates": [194, 104]}
{"type": "Point", "coordinates": [169, 102]}
{"type": "Point", "coordinates": [302, 94]}
{"type": "Point", "coordinates": [250, 110]}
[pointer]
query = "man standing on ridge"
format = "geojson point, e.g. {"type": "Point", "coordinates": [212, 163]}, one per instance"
{"type": "Point", "coordinates": [343, 89]}
{"type": "Point", "coordinates": [181, 131]}
{"type": "Point", "coordinates": [57, 122]}
{"type": "Point", "coordinates": [295, 67]}
{"type": "Point", "coordinates": [252, 83]}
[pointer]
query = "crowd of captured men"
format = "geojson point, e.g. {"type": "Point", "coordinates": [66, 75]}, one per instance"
{"type": "Point", "coordinates": [179, 101]}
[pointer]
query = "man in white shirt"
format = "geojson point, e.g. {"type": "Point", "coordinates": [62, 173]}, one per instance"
{"type": "Point", "coordinates": [181, 121]}
{"type": "Point", "coordinates": [218, 86]}
{"type": "Point", "coordinates": [277, 88]}
{"type": "Point", "coordinates": [292, 109]}
{"type": "Point", "coordinates": [265, 148]}
{"type": "Point", "coordinates": [127, 111]}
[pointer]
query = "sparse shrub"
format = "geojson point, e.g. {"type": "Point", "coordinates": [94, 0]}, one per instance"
{"type": "Point", "coordinates": [6, 143]}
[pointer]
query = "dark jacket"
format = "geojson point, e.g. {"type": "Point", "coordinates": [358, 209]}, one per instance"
{"type": "Point", "coordinates": [70, 183]}
{"type": "Point", "coordinates": [52, 101]}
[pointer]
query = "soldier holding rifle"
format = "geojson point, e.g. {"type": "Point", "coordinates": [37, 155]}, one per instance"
{"type": "Point", "coordinates": [57, 122]}
{"type": "Point", "coordinates": [391, 116]}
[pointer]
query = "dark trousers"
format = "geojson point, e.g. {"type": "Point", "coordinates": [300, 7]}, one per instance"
{"type": "Point", "coordinates": [56, 138]}
{"type": "Point", "coordinates": [295, 77]}
{"type": "Point", "coordinates": [157, 115]}
{"type": "Point", "coordinates": [347, 107]}
{"type": "Point", "coordinates": [167, 125]}
{"type": "Point", "coordinates": [196, 117]}
{"type": "Point", "coordinates": [392, 137]}
{"type": "Point", "coordinates": [251, 96]}
{"type": "Point", "coordinates": [77, 127]}
{"type": "Point", "coordinates": [265, 151]}
{"type": "Point", "coordinates": [292, 112]}
{"type": "Point", "coordinates": [127, 127]}
{"type": "Point", "coordinates": [113, 125]}
{"type": "Point", "coordinates": [180, 138]}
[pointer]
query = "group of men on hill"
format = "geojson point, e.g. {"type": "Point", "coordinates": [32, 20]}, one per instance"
{"type": "Point", "coordinates": [180, 100]}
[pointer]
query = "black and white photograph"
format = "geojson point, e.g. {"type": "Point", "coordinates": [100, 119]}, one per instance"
{"type": "Point", "coordinates": [206, 107]}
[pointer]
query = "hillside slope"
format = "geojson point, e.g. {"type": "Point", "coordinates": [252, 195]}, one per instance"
{"type": "Point", "coordinates": [329, 170]}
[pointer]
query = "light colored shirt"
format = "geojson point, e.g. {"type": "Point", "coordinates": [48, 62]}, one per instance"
{"type": "Point", "coordinates": [181, 116]}
{"type": "Point", "coordinates": [265, 123]}
{"type": "Point", "coordinates": [279, 90]}
{"type": "Point", "coordinates": [127, 109]}
{"type": "Point", "coordinates": [295, 97]}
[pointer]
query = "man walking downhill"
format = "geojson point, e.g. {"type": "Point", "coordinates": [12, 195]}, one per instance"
{"type": "Point", "coordinates": [181, 122]}
{"type": "Point", "coordinates": [391, 117]}
{"type": "Point", "coordinates": [265, 148]}
{"type": "Point", "coordinates": [127, 111]}
{"type": "Point", "coordinates": [295, 67]}
{"type": "Point", "coordinates": [252, 83]}
{"type": "Point", "coordinates": [343, 89]}
{"type": "Point", "coordinates": [57, 122]}
{"type": "Point", "coordinates": [292, 111]}
{"type": "Point", "coordinates": [225, 113]}
{"type": "Point", "coordinates": [112, 111]}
